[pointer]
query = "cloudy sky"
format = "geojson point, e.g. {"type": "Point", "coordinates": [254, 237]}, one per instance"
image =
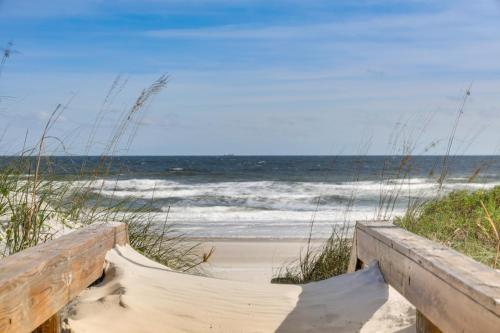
{"type": "Point", "coordinates": [255, 76]}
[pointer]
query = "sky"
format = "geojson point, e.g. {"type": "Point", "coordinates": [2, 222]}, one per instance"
{"type": "Point", "coordinates": [253, 77]}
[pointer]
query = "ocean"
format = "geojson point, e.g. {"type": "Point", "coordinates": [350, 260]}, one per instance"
{"type": "Point", "coordinates": [279, 196]}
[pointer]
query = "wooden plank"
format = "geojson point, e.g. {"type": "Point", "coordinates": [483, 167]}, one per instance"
{"type": "Point", "coordinates": [36, 283]}
{"type": "Point", "coordinates": [427, 275]}
{"type": "Point", "coordinates": [424, 325]}
{"type": "Point", "coordinates": [464, 273]}
{"type": "Point", "coordinates": [52, 325]}
{"type": "Point", "coordinates": [353, 260]}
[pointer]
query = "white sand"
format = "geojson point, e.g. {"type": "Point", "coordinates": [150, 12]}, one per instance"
{"type": "Point", "coordinates": [139, 295]}
{"type": "Point", "coordinates": [252, 260]}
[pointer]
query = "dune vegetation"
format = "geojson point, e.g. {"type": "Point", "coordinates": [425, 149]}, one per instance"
{"type": "Point", "coordinates": [40, 200]}
{"type": "Point", "coordinates": [463, 220]}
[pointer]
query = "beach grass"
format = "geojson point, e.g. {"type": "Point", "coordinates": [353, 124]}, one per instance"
{"type": "Point", "coordinates": [471, 230]}
{"type": "Point", "coordinates": [35, 203]}
{"type": "Point", "coordinates": [38, 204]}
{"type": "Point", "coordinates": [329, 260]}
{"type": "Point", "coordinates": [463, 220]}
{"type": "Point", "coordinates": [35, 209]}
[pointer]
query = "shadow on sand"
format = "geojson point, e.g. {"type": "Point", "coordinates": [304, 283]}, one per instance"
{"type": "Point", "coordinates": [342, 304]}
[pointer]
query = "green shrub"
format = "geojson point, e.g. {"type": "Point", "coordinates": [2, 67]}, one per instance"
{"type": "Point", "coordinates": [459, 220]}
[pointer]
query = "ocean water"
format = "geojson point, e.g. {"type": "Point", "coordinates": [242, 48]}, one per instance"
{"type": "Point", "coordinates": [279, 196]}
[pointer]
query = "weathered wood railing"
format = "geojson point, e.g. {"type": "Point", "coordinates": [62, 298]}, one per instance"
{"type": "Point", "coordinates": [451, 292]}
{"type": "Point", "coordinates": [38, 282]}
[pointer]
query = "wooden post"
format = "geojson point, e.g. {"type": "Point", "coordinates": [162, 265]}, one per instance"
{"type": "Point", "coordinates": [424, 325]}
{"type": "Point", "coordinates": [52, 325]}
{"type": "Point", "coordinates": [353, 260]}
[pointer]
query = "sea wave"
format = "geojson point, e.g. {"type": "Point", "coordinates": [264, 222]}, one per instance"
{"type": "Point", "coordinates": [246, 193]}
{"type": "Point", "coordinates": [243, 222]}
{"type": "Point", "coordinates": [273, 208]}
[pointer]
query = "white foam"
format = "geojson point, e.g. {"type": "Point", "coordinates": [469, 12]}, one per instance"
{"type": "Point", "coordinates": [161, 189]}
{"type": "Point", "coordinates": [273, 209]}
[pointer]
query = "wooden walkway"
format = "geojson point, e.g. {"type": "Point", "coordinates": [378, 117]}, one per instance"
{"type": "Point", "coordinates": [451, 292]}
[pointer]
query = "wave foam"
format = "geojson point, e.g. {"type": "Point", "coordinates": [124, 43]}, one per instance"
{"type": "Point", "coordinates": [275, 209]}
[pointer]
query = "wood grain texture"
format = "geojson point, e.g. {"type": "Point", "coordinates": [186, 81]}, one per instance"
{"type": "Point", "coordinates": [51, 325]}
{"type": "Point", "coordinates": [36, 283]}
{"type": "Point", "coordinates": [454, 292]}
{"type": "Point", "coordinates": [423, 325]}
{"type": "Point", "coordinates": [353, 260]}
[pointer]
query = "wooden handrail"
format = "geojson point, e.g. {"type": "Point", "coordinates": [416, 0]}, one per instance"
{"type": "Point", "coordinates": [451, 292]}
{"type": "Point", "coordinates": [38, 282]}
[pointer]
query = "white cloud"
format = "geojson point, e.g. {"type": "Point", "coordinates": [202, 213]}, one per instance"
{"type": "Point", "coordinates": [242, 88]}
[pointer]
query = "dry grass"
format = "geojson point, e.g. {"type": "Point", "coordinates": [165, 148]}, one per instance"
{"type": "Point", "coordinates": [36, 202]}
{"type": "Point", "coordinates": [332, 258]}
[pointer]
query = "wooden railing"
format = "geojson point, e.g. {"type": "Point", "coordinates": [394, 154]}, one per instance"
{"type": "Point", "coordinates": [38, 282]}
{"type": "Point", "coordinates": [451, 292]}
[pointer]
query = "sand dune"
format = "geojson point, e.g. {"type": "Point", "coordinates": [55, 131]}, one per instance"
{"type": "Point", "coordinates": [139, 295]}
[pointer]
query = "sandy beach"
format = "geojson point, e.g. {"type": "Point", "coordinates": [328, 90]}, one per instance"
{"type": "Point", "coordinates": [252, 260]}
{"type": "Point", "coordinates": [139, 295]}
{"type": "Point", "coordinates": [249, 166]}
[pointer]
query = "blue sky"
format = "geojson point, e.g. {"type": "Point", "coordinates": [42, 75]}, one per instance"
{"type": "Point", "coordinates": [255, 76]}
